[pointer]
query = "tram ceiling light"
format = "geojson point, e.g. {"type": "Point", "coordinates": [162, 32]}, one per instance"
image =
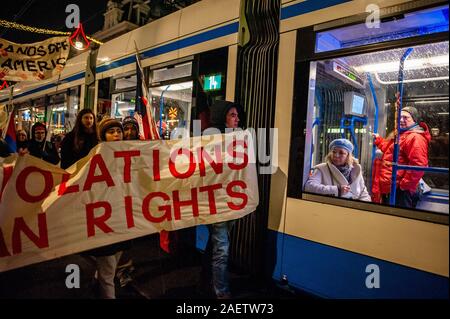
{"type": "Point", "coordinates": [443, 113]}
{"type": "Point", "coordinates": [441, 60]}
{"type": "Point", "coordinates": [431, 102]}
{"type": "Point", "coordinates": [440, 78]}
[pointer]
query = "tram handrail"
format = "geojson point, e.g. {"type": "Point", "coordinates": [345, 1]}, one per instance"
{"type": "Point", "coordinates": [375, 124]}
{"type": "Point", "coordinates": [397, 126]}
{"type": "Point", "coordinates": [422, 168]}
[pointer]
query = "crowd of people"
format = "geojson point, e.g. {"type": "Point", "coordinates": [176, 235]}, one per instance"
{"type": "Point", "coordinates": [114, 261]}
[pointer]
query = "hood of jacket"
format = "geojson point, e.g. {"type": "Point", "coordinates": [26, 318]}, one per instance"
{"type": "Point", "coordinates": [422, 129]}
{"type": "Point", "coordinates": [219, 112]}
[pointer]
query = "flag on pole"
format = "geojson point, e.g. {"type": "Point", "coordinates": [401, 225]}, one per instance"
{"type": "Point", "coordinates": [148, 131]}
{"type": "Point", "coordinates": [143, 112]}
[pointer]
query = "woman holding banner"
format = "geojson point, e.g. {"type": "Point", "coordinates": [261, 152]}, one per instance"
{"type": "Point", "coordinates": [107, 257]}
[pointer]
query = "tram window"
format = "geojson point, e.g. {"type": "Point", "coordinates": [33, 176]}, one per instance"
{"type": "Point", "coordinates": [418, 23]}
{"type": "Point", "coordinates": [171, 73]}
{"type": "Point", "coordinates": [373, 79]}
{"type": "Point", "coordinates": [172, 106]}
{"type": "Point", "coordinates": [126, 82]}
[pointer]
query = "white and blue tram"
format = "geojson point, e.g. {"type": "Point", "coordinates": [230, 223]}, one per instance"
{"type": "Point", "coordinates": [295, 65]}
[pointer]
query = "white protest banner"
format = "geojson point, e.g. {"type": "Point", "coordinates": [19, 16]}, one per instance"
{"type": "Point", "coordinates": [120, 191]}
{"type": "Point", "coordinates": [34, 61]}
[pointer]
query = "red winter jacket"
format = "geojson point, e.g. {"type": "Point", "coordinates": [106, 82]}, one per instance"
{"type": "Point", "coordinates": [413, 151]}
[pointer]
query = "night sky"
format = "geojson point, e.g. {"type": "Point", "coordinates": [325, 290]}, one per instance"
{"type": "Point", "coordinates": [49, 14]}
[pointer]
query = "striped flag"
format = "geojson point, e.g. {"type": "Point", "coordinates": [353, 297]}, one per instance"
{"type": "Point", "coordinates": [143, 112]}
{"type": "Point", "coordinates": [148, 131]}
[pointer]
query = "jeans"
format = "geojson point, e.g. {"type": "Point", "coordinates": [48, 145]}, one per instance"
{"type": "Point", "coordinates": [218, 249]}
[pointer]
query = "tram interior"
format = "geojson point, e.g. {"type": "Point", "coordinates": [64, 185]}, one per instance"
{"type": "Point", "coordinates": [375, 77]}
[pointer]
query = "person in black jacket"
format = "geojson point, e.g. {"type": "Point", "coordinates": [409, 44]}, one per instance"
{"type": "Point", "coordinates": [4, 148]}
{"type": "Point", "coordinates": [39, 147]}
{"type": "Point", "coordinates": [79, 142]}
{"type": "Point", "coordinates": [224, 115]}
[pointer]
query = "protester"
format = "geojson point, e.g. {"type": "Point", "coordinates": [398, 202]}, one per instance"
{"type": "Point", "coordinates": [41, 148]}
{"type": "Point", "coordinates": [224, 115]}
{"type": "Point", "coordinates": [340, 175]}
{"type": "Point", "coordinates": [107, 257]}
{"type": "Point", "coordinates": [413, 150]}
{"type": "Point", "coordinates": [78, 142]}
{"type": "Point", "coordinates": [22, 141]}
{"type": "Point", "coordinates": [4, 148]}
{"type": "Point", "coordinates": [125, 266]}
{"type": "Point", "coordinates": [130, 128]}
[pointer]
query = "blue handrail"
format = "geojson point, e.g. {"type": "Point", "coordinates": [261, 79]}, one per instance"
{"type": "Point", "coordinates": [422, 169]}
{"type": "Point", "coordinates": [397, 127]}
{"type": "Point", "coordinates": [375, 124]}
{"type": "Point", "coordinates": [352, 119]}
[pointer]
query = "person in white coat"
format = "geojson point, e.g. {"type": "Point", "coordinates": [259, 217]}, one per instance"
{"type": "Point", "coordinates": [340, 175]}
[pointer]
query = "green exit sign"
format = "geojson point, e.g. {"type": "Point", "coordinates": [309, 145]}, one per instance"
{"type": "Point", "coordinates": [213, 82]}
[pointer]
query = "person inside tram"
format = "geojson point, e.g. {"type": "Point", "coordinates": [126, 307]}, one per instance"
{"type": "Point", "coordinates": [41, 148]}
{"type": "Point", "coordinates": [78, 142]}
{"type": "Point", "coordinates": [22, 141]}
{"type": "Point", "coordinates": [340, 175]}
{"type": "Point", "coordinates": [107, 257]}
{"type": "Point", "coordinates": [414, 140]}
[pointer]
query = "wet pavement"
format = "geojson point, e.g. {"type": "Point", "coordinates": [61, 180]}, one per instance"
{"type": "Point", "coordinates": [156, 275]}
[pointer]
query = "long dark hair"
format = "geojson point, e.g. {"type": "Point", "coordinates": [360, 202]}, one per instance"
{"type": "Point", "coordinates": [79, 133]}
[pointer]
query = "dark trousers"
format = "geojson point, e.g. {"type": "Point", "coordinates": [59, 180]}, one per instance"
{"type": "Point", "coordinates": [402, 199]}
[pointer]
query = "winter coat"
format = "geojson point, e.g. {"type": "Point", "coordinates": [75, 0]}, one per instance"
{"type": "Point", "coordinates": [68, 154]}
{"type": "Point", "coordinates": [47, 153]}
{"type": "Point", "coordinates": [413, 150]}
{"type": "Point", "coordinates": [326, 178]}
{"type": "Point", "coordinates": [4, 148]}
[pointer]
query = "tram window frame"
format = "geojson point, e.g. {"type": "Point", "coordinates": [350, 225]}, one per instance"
{"type": "Point", "coordinates": [304, 57]}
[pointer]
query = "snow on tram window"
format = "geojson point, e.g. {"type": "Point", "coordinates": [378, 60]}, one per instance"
{"type": "Point", "coordinates": [354, 97]}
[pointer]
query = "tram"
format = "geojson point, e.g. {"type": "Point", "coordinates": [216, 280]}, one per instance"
{"type": "Point", "coordinates": [315, 71]}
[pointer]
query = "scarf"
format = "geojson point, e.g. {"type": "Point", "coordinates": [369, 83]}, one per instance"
{"type": "Point", "coordinates": [346, 170]}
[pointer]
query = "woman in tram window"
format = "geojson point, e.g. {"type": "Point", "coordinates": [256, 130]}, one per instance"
{"type": "Point", "coordinates": [78, 142]}
{"type": "Point", "coordinates": [340, 175]}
